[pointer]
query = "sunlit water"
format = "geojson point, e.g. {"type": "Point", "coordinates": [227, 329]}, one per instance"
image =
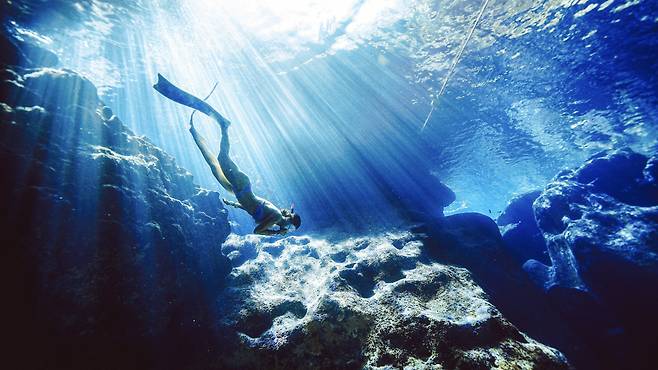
{"type": "Point", "coordinates": [327, 98]}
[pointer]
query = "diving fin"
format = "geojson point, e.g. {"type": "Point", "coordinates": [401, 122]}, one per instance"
{"type": "Point", "coordinates": [174, 93]}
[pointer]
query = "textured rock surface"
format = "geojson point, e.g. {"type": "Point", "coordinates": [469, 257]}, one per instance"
{"type": "Point", "coordinates": [113, 251]}
{"type": "Point", "coordinates": [15, 52]}
{"type": "Point", "coordinates": [601, 220]}
{"type": "Point", "coordinates": [473, 241]}
{"type": "Point", "coordinates": [520, 231]}
{"type": "Point", "coordinates": [371, 302]}
{"type": "Point", "coordinates": [600, 224]}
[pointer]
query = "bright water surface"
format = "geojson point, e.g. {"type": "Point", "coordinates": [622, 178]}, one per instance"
{"type": "Point", "coordinates": [327, 98]}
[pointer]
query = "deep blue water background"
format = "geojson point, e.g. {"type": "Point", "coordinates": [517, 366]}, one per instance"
{"type": "Point", "coordinates": [332, 120]}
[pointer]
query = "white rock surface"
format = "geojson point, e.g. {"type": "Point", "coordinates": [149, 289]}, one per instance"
{"type": "Point", "coordinates": [372, 302]}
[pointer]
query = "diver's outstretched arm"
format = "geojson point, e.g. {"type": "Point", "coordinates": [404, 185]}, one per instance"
{"type": "Point", "coordinates": [232, 204]}
{"type": "Point", "coordinates": [264, 228]}
{"type": "Point", "coordinates": [271, 232]}
{"type": "Point", "coordinates": [169, 90]}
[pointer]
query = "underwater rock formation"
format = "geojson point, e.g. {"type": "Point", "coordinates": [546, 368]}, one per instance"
{"type": "Point", "coordinates": [519, 229]}
{"type": "Point", "coordinates": [599, 221]}
{"type": "Point", "coordinates": [113, 251]}
{"type": "Point", "coordinates": [473, 241]}
{"type": "Point", "coordinates": [600, 224]}
{"type": "Point", "coordinates": [371, 302]}
{"type": "Point", "coordinates": [24, 54]}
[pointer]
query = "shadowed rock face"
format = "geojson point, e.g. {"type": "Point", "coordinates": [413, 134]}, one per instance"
{"type": "Point", "coordinates": [519, 229]}
{"type": "Point", "coordinates": [600, 222]}
{"type": "Point", "coordinates": [473, 241]}
{"type": "Point", "coordinates": [601, 219]}
{"type": "Point", "coordinates": [113, 252]}
{"type": "Point", "coordinates": [16, 53]}
{"type": "Point", "coordinates": [600, 226]}
{"type": "Point", "coordinates": [368, 302]}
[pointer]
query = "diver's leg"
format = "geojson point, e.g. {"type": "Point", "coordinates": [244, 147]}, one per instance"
{"type": "Point", "coordinates": [224, 146]}
{"type": "Point", "coordinates": [237, 178]}
{"type": "Point", "coordinates": [210, 158]}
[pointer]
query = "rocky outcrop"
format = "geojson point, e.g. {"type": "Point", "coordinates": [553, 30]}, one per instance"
{"type": "Point", "coordinates": [601, 220]}
{"type": "Point", "coordinates": [600, 226]}
{"type": "Point", "coordinates": [17, 53]}
{"type": "Point", "coordinates": [113, 251]}
{"type": "Point", "coordinates": [519, 229]}
{"type": "Point", "coordinates": [473, 241]}
{"type": "Point", "coordinates": [363, 303]}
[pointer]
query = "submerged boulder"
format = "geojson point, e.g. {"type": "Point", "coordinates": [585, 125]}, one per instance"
{"type": "Point", "coordinates": [600, 222]}
{"type": "Point", "coordinates": [373, 302]}
{"type": "Point", "coordinates": [600, 227]}
{"type": "Point", "coordinates": [16, 52]}
{"type": "Point", "coordinates": [473, 241]}
{"type": "Point", "coordinates": [519, 229]}
{"type": "Point", "coordinates": [112, 247]}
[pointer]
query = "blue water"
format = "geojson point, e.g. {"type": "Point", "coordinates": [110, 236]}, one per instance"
{"type": "Point", "coordinates": [327, 99]}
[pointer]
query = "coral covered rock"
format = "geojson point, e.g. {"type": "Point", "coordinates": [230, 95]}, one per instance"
{"type": "Point", "coordinates": [110, 242]}
{"type": "Point", "coordinates": [601, 220]}
{"type": "Point", "coordinates": [370, 302]}
{"type": "Point", "coordinates": [520, 231]}
{"type": "Point", "coordinates": [600, 226]}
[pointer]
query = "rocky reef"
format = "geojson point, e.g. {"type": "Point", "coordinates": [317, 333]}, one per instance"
{"type": "Point", "coordinates": [113, 252]}
{"type": "Point", "coordinates": [589, 240]}
{"type": "Point", "coordinates": [375, 302]}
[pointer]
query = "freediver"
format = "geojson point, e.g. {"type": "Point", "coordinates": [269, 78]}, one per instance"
{"type": "Point", "coordinates": [227, 173]}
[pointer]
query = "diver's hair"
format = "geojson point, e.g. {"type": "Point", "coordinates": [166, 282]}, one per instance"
{"type": "Point", "coordinates": [296, 221]}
